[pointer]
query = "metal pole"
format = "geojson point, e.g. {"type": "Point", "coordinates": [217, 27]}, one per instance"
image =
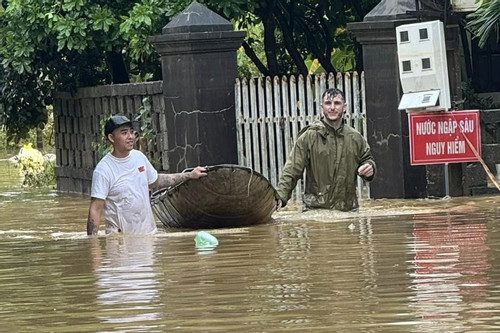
{"type": "Point", "coordinates": [446, 180]}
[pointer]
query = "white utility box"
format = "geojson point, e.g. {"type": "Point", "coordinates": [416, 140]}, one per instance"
{"type": "Point", "coordinates": [464, 5]}
{"type": "Point", "coordinates": [423, 68]}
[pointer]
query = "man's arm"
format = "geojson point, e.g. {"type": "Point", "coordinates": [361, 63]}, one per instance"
{"type": "Point", "coordinates": [292, 171]}
{"type": "Point", "coordinates": [94, 219]}
{"type": "Point", "coordinates": [165, 180]}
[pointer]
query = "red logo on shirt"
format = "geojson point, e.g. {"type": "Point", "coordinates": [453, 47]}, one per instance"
{"type": "Point", "coordinates": [141, 168]}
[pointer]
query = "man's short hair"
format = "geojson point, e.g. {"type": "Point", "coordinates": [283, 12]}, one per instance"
{"type": "Point", "coordinates": [332, 92]}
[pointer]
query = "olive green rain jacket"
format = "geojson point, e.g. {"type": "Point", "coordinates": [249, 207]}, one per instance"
{"type": "Point", "coordinates": [331, 159]}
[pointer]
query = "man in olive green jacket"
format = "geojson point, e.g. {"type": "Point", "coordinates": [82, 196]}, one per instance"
{"type": "Point", "coordinates": [333, 154]}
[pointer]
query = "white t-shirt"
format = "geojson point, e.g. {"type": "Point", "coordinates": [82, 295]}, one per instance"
{"type": "Point", "coordinates": [123, 184]}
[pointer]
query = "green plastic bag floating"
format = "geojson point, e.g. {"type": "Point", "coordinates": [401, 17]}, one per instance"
{"type": "Point", "coordinates": [204, 240]}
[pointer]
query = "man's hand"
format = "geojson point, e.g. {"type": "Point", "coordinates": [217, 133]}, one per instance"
{"type": "Point", "coordinates": [166, 180]}
{"type": "Point", "coordinates": [366, 170]}
{"type": "Point", "coordinates": [198, 172]}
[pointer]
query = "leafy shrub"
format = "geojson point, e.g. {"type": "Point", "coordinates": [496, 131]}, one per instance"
{"type": "Point", "coordinates": [36, 170]}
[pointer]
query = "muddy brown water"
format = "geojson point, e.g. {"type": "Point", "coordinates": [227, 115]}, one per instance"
{"type": "Point", "coordinates": [396, 266]}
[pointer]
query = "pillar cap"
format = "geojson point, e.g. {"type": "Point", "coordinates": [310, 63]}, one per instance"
{"type": "Point", "coordinates": [390, 10]}
{"type": "Point", "coordinates": [197, 18]}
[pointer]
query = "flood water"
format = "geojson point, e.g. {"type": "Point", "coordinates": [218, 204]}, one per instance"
{"type": "Point", "coordinates": [396, 266]}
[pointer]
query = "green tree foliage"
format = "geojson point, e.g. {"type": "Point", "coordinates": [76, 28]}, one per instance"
{"type": "Point", "coordinates": [62, 45]}
{"type": "Point", "coordinates": [48, 45]}
{"type": "Point", "coordinates": [295, 30]}
{"type": "Point", "coordinates": [485, 21]}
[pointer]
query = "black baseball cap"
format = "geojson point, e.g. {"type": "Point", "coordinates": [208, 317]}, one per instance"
{"type": "Point", "coordinates": [114, 122]}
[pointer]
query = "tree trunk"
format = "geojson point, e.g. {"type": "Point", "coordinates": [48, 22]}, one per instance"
{"type": "Point", "coordinates": [255, 59]}
{"type": "Point", "coordinates": [358, 54]}
{"type": "Point", "coordinates": [39, 139]}
{"type": "Point", "coordinates": [269, 24]}
{"type": "Point", "coordinates": [290, 45]}
{"type": "Point", "coordinates": [117, 67]}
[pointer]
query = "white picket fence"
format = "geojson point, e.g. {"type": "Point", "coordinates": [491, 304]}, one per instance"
{"type": "Point", "coordinates": [270, 111]}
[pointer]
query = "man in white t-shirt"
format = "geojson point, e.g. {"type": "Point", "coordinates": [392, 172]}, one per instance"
{"type": "Point", "coordinates": [121, 182]}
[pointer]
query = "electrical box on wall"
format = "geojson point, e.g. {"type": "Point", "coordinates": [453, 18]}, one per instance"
{"type": "Point", "coordinates": [423, 68]}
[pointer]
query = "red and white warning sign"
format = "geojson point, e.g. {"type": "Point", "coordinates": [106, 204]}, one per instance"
{"type": "Point", "coordinates": [444, 137]}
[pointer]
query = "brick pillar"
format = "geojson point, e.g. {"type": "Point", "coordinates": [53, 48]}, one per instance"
{"type": "Point", "coordinates": [198, 54]}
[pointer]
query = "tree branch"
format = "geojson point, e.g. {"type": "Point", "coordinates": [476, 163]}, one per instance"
{"type": "Point", "coordinates": [290, 43]}
{"type": "Point", "coordinates": [251, 54]}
